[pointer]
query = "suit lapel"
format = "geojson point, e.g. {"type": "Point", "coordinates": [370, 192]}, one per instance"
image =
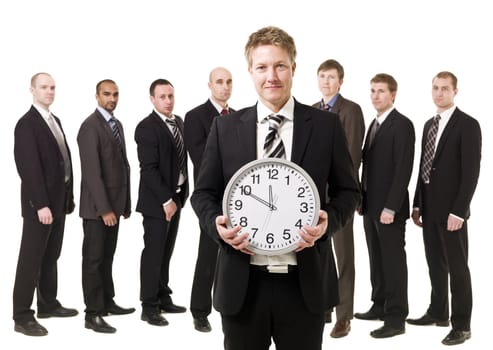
{"type": "Point", "coordinates": [446, 132]}
{"type": "Point", "coordinates": [302, 130]}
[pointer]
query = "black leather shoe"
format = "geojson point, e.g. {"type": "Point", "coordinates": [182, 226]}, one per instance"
{"type": "Point", "coordinates": [117, 310]}
{"type": "Point", "coordinates": [202, 324]}
{"type": "Point", "coordinates": [427, 320]}
{"type": "Point", "coordinates": [98, 324]}
{"type": "Point", "coordinates": [456, 337]}
{"type": "Point", "coordinates": [387, 332]}
{"type": "Point", "coordinates": [154, 319]}
{"type": "Point", "coordinates": [172, 308]}
{"type": "Point", "coordinates": [31, 328]}
{"type": "Point", "coordinates": [370, 315]}
{"type": "Point", "coordinates": [58, 312]}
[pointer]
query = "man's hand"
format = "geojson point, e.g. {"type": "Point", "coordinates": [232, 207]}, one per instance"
{"type": "Point", "coordinates": [230, 235]}
{"type": "Point", "coordinates": [416, 216]}
{"type": "Point", "coordinates": [169, 210]}
{"type": "Point", "coordinates": [453, 223]}
{"type": "Point", "coordinates": [386, 218]}
{"type": "Point", "coordinates": [310, 234]}
{"type": "Point", "coordinates": [109, 219]}
{"type": "Point", "coordinates": [45, 217]}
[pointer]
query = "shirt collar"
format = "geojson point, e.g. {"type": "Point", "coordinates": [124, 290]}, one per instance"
{"type": "Point", "coordinates": [331, 102]}
{"type": "Point", "coordinates": [446, 114]}
{"type": "Point", "coordinates": [44, 113]}
{"type": "Point", "coordinates": [217, 106]}
{"type": "Point", "coordinates": [163, 116]}
{"type": "Point", "coordinates": [287, 111]}
{"type": "Point", "coordinates": [106, 115]}
{"type": "Point", "coordinates": [381, 118]}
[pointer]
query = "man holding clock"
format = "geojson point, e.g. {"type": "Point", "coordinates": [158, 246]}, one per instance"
{"type": "Point", "coordinates": [280, 297]}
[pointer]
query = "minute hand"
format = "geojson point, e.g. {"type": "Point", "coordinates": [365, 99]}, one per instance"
{"type": "Point", "coordinates": [269, 205]}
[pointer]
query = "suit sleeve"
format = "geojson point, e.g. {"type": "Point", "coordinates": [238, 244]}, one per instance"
{"type": "Point", "coordinates": [353, 124]}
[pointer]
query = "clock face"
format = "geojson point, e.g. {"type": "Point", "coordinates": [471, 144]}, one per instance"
{"type": "Point", "coordinates": [271, 199]}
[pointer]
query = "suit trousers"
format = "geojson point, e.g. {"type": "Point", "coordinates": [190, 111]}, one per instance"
{"type": "Point", "coordinates": [98, 249]}
{"type": "Point", "coordinates": [447, 253]}
{"type": "Point", "coordinates": [273, 309]}
{"type": "Point", "coordinates": [40, 249]}
{"type": "Point", "coordinates": [203, 278]}
{"type": "Point", "coordinates": [343, 241]}
{"type": "Point", "coordinates": [388, 269]}
{"type": "Point", "coordinates": [159, 242]}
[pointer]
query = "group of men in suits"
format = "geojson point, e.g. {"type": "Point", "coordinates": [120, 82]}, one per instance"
{"type": "Point", "coordinates": [325, 141]}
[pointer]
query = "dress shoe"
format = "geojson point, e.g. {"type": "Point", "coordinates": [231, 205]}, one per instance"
{"type": "Point", "coordinates": [58, 312]}
{"type": "Point", "coordinates": [387, 332]}
{"type": "Point", "coordinates": [32, 328]}
{"type": "Point", "coordinates": [456, 337]}
{"type": "Point", "coordinates": [202, 324]}
{"type": "Point", "coordinates": [370, 315]}
{"type": "Point", "coordinates": [427, 320]}
{"type": "Point", "coordinates": [172, 308]}
{"type": "Point", "coordinates": [117, 310]}
{"type": "Point", "coordinates": [341, 329]}
{"type": "Point", "coordinates": [154, 319]}
{"type": "Point", "coordinates": [98, 324]}
{"type": "Point", "coordinates": [328, 316]}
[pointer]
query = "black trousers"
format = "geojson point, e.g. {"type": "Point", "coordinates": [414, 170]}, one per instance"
{"type": "Point", "coordinates": [98, 249]}
{"type": "Point", "coordinates": [40, 249]}
{"type": "Point", "coordinates": [159, 243]}
{"type": "Point", "coordinates": [203, 278]}
{"type": "Point", "coordinates": [388, 269]}
{"type": "Point", "coordinates": [447, 255]}
{"type": "Point", "coordinates": [274, 309]}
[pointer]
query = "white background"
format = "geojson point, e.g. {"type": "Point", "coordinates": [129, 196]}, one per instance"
{"type": "Point", "coordinates": [133, 43]}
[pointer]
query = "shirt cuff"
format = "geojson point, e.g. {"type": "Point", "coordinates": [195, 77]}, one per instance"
{"type": "Point", "coordinates": [167, 202]}
{"type": "Point", "coordinates": [389, 211]}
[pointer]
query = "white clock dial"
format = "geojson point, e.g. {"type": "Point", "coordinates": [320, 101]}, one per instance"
{"type": "Point", "coordinates": [271, 199]}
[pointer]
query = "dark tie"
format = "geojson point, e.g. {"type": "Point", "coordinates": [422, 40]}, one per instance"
{"type": "Point", "coordinates": [273, 146]}
{"type": "Point", "coordinates": [373, 132]}
{"type": "Point", "coordinates": [179, 145]}
{"type": "Point", "coordinates": [225, 111]}
{"type": "Point", "coordinates": [430, 149]}
{"type": "Point", "coordinates": [115, 130]}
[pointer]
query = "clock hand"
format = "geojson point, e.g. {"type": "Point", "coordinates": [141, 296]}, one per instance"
{"type": "Point", "coordinates": [264, 202]}
{"type": "Point", "coordinates": [270, 196]}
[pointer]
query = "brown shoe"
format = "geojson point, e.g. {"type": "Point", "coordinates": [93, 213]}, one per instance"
{"type": "Point", "coordinates": [341, 329]}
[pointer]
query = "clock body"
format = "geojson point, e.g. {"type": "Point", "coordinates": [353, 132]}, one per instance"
{"type": "Point", "coordinates": [271, 199]}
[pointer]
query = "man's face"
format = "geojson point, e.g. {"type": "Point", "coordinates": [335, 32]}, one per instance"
{"type": "Point", "coordinates": [272, 73]}
{"type": "Point", "coordinates": [43, 91]}
{"type": "Point", "coordinates": [329, 82]}
{"type": "Point", "coordinates": [107, 96]}
{"type": "Point", "coordinates": [381, 97]}
{"type": "Point", "coordinates": [164, 99]}
{"type": "Point", "coordinates": [221, 85]}
{"type": "Point", "coordinates": [443, 93]}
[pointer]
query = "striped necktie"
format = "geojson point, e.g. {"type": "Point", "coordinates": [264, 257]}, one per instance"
{"type": "Point", "coordinates": [273, 146]}
{"type": "Point", "coordinates": [179, 145]}
{"type": "Point", "coordinates": [429, 153]}
{"type": "Point", "coordinates": [115, 130]}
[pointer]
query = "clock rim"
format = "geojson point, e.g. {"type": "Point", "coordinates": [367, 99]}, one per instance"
{"type": "Point", "coordinates": [255, 163]}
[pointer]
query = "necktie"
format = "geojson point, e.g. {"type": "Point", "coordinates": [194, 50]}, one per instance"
{"type": "Point", "coordinates": [225, 111]}
{"type": "Point", "coordinates": [115, 130]}
{"type": "Point", "coordinates": [179, 145]}
{"type": "Point", "coordinates": [57, 132]}
{"type": "Point", "coordinates": [430, 149]}
{"type": "Point", "coordinates": [373, 132]}
{"type": "Point", "coordinates": [327, 107]}
{"type": "Point", "coordinates": [273, 146]}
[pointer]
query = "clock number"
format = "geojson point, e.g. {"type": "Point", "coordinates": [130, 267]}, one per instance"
{"type": "Point", "coordinates": [255, 230]}
{"type": "Point", "coordinates": [269, 238]}
{"type": "Point", "coordinates": [299, 224]}
{"type": "Point", "coordinates": [243, 221]}
{"type": "Point", "coordinates": [301, 192]}
{"type": "Point", "coordinates": [238, 204]}
{"type": "Point", "coordinates": [286, 234]}
{"type": "Point", "coordinates": [246, 190]}
{"type": "Point", "coordinates": [304, 207]}
{"type": "Point", "coordinates": [273, 174]}
{"type": "Point", "coordinates": [287, 180]}
{"type": "Point", "coordinates": [255, 179]}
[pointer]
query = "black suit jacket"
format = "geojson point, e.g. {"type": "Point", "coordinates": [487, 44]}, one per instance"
{"type": "Point", "coordinates": [198, 123]}
{"type": "Point", "coordinates": [320, 148]}
{"type": "Point", "coordinates": [41, 168]}
{"type": "Point", "coordinates": [455, 169]}
{"type": "Point", "coordinates": [105, 180]}
{"type": "Point", "coordinates": [387, 167]}
{"type": "Point", "coordinates": [159, 166]}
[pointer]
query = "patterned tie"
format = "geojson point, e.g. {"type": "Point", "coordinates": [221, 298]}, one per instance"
{"type": "Point", "coordinates": [115, 130]}
{"type": "Point", "coordinates": [430, 150]}
{"type": "Point", "coordinates": [273, 146]}
{"type": "Point", "coordinates": [179, 145]}
{"type": "Point", "coordinates": [225, 111]}
{"type": "Point", "coordinates": [57, 132]}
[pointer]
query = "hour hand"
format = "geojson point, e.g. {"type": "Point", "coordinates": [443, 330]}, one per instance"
{"type": "Point", "coordinates": [263, 201]}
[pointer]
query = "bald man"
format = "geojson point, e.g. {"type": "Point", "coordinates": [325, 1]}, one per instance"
{"type": "Point", "coordinates": [197, 125]}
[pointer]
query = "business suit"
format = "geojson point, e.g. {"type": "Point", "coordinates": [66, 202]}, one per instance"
{"type": "Point", "coordinates": [453, 180]}
{"type": "Point", "coordinates": [41, 167]}
{"type": "Point", "coordinates": [198, 123]}
{"type": "Point", "coordinates": [159, 175]}
{"type": "Point", "coordinates": [105, 188]}
{"type": "Point", "coordinates": [353, 123]}
{"type": "Point", "coordinates": [318, 146]}
{"type": "Point", "coordinates": [387, 168]}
